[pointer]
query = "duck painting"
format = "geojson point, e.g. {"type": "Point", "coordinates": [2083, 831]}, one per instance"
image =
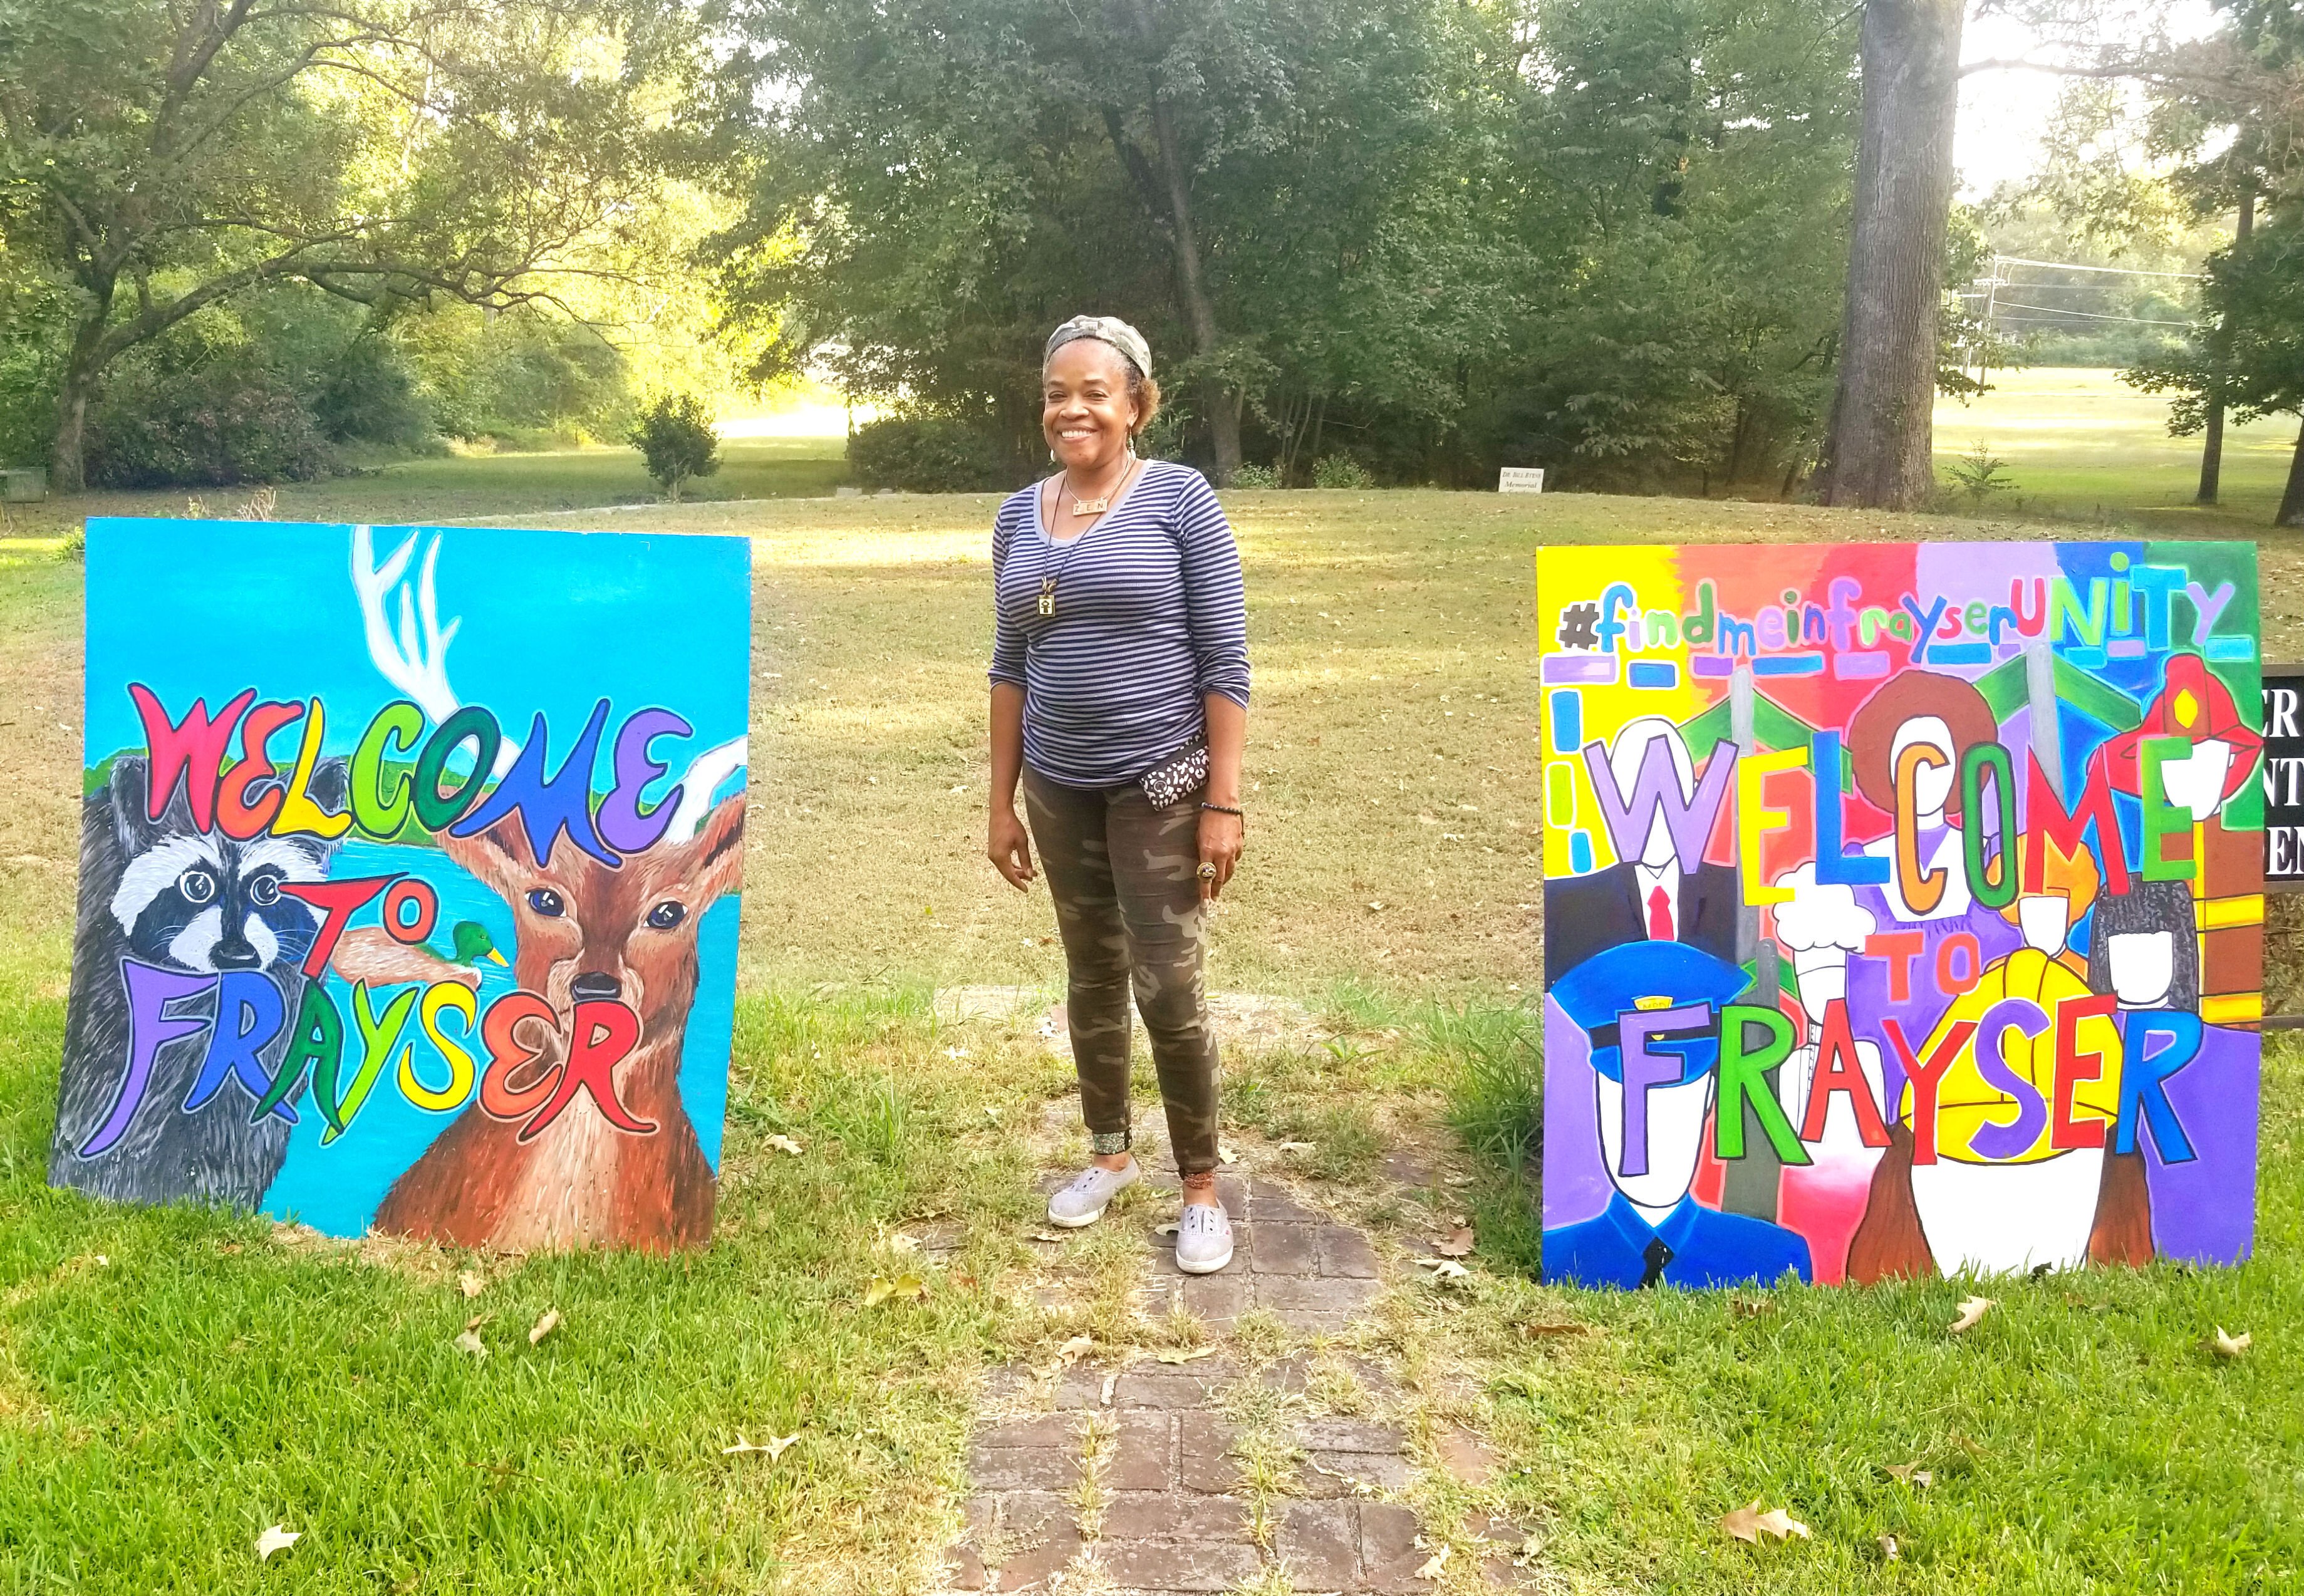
{"type": "Point", "coordinates": [369, 953]}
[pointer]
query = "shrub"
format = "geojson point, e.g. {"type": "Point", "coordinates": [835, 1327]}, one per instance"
{"type": "Point", "coordinates": [1340, 470]}
{"type": "Point", "coordinates": [1979, 474]}
{"type": "Point", "coordinates": [227, 419]}
{"type": "Point", "coordinates": [368, 395]}
{"type": "Point", "coordinates": [928, 454]}
{"type": "Point", "coordinates": [516, 371]}
{"type": "Point", "coordinates": [675, 436]}
{"type": "Point", "coordinates": [1256, 477]}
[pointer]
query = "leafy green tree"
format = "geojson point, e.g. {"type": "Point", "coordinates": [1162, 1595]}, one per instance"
{"type": "Point", "coordinates": [939, 181]}
{"type": "Point", "coordinates": [1680, 234]}
{"type": "Point", "coordinates": [675, 436]}
{"type": "Point", "coordinates": [158, 157]}
{"type": "Point", "coordinates": [1603, 234]}
{"type": "Point", "coordinates": [2231, 107]}
{"type": "Point", "coordinates": [2252, 364]}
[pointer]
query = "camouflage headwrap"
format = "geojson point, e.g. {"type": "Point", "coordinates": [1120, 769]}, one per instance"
{"type": "Point", "coordinates": [1104, 329]}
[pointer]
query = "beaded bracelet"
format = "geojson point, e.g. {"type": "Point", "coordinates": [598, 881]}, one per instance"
{"type": "Point", "coordinates": [1225, 809]}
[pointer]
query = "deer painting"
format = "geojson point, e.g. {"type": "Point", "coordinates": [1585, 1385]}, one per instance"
{"type": "Point", "coordinates": [623, 1167]}
{"type": "Point", "coordinates": [586, 933]}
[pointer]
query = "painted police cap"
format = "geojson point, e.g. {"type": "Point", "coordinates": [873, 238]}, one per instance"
{"type": "Point", "coordinates": [1635, 978]}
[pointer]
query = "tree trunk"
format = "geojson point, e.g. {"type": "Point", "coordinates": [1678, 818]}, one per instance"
{"type": "Point", "coordinates": [84, 364]}
{"type": "Point", "coordinates": [2291, 502]}
{"type": "Point", "coordinates": [1878, 455]}
{"type": "Point", "coordinates": [67, 455]}
{"type": "Point", "coordinates": [1200, 310]}
{"type": "Point", "coordinates": [2212, 448]}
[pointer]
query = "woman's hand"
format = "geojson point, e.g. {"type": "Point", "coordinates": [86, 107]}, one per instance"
{"type": "Point", "coordinates": [1220, 843]}
{"type": "Point", "coordinates": [1010, 847]}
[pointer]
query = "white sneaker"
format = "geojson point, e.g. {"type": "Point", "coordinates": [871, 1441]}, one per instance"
{"type": "Point", "coordinates": [1203, 1240]}
{"type": "Point", "coordinates": [1084, 1201]}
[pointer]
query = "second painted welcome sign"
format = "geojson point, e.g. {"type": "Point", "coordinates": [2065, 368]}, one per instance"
{"type": "Point", "coordinates": [1902, 909]}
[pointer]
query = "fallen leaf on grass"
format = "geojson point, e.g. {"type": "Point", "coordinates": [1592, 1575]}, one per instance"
{"type": "Point", "coordinates": [2231, 1345]}
{"type": "Point", "coordinates": [1179, 1355]}
{"type": "Point", "coordinates": [1910, 1474]}
{"type": "Point", "coordinates": [1299, 1147]}
{"type": "Point", "coordinates": [1224, 1154]}
{"type": "Point", "coordinates": [909, 1288]}
{"type": "Point", "coordinates": [1739, 1308]}
{"type": "Point", "coordinates": [1458, 1243]}
{"type": "Point", "coordinates": [1072, 1352]}
{"type": "Point", "coordinates": [774, 1446]}
{"type": "Point", "coordinates": [470, 1341]}
{"type": "Point", "coordinates": [275, 1538]}
{"type": "Point", "coordinates": [1045, 1235]}
{"type": "Point", "coordinates": [1973, 1311]}
{"type": "Point", "coordinates": [1750, 1524]}
{"type": "Point", "coordinates": [544, 1325]}
{"type": "Point", "coordinates": [783, 1143]}
{"type": "Point", "coordinates": [1434, 1563]}
{"type": "Point", "coordinates": [470, 1284]}
{"type": "Point", "coordinates": [1443, 1269]}
{"type": "Point", "coordinates": [1889, 1552]}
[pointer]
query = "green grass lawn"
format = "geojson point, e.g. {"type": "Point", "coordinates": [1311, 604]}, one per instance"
{"type": "Point", "coordinates": [2080, 443]}
{"type": "Point", "coordinates": [468, 487]}
{"type": "Point", "coordinates": [170, 1383]}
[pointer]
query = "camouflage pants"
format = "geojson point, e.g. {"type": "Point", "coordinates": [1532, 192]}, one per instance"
{"type": "Point", "coordinates": [1123, 875]}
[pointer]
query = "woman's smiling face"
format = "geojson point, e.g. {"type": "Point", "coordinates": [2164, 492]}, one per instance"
{"type": "Point", "coordinates": [1085, 409]}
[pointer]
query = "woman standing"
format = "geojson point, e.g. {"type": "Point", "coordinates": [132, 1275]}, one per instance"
{"type": "Point", "coordinates": [1120, 699]}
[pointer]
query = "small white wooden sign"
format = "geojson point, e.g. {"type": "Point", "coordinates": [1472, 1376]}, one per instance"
{"type": "Point", "coordinates": [1521, 479]}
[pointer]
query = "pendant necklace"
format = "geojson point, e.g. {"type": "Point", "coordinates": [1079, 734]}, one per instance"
{"type": "Point", "coordinates": [1047, 605]}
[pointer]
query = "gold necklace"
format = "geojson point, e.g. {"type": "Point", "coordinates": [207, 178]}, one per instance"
{"type": "Point", "coordinates": [1047, 600]}
{"type": "Point", "coordinates": [1098, 506]}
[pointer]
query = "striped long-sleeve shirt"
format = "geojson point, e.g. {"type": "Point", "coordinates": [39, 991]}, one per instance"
{"type": "Point", "coordinates": [1149, 616]}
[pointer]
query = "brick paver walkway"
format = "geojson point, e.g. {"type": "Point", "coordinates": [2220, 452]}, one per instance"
{"type": "Point", "coordinates": [1130, 1478]}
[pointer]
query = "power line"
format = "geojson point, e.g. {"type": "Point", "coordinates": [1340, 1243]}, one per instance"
{"type": "Point", "coordinates": [2092, 315]}
{"type": "Point", "coordinates": [2073, 265]}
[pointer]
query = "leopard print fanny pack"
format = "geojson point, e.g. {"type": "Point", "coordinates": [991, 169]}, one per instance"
{"type": "Point", "coordinates": [1172, 781]}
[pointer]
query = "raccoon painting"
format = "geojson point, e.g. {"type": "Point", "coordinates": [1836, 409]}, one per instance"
{"type": "Point", "coordinates": [173, 896]}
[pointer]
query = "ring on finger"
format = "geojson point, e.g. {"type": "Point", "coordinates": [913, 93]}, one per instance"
{"type": "Point", "coordinates": [1208, 870]}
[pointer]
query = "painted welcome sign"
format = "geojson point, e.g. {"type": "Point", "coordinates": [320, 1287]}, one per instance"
{"type": "Point", "coordinates": [363, 949]}
{"type": "Point", "coordinates": [1902, 909]}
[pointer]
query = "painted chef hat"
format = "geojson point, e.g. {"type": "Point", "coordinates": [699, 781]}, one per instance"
{"type": "Point", "coordinates": [1638, 977]}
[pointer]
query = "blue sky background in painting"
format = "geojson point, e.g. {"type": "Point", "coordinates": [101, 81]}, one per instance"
{"type": "Point", "coordinates": [552, 621]}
